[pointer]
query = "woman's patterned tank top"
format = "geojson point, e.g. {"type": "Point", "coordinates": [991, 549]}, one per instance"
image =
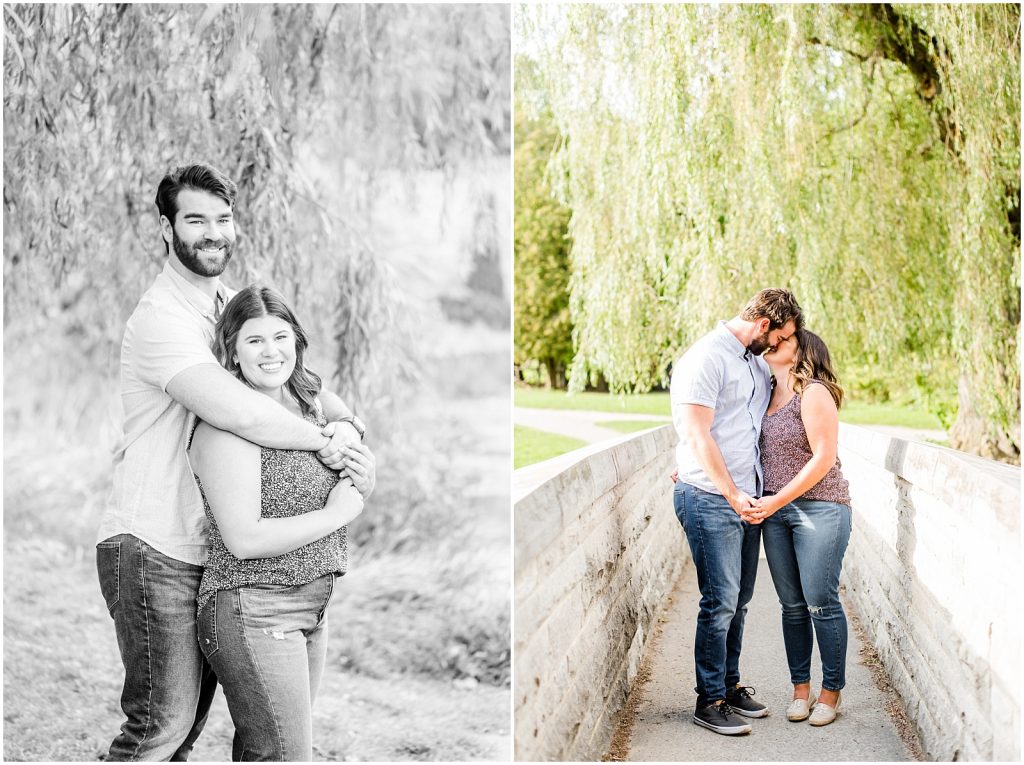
{"type": "Point", "coordinates": [785, 450]}
{"type": "Point", "coordinates": [292, 482]}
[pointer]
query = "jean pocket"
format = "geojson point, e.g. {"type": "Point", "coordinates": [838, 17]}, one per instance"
{"type": "Point", "coordinates": [108, 564]}
{"type": "Point", "coordinates": [679, 503]}
{"type": "Point", "coordinates": [332, 582]}
{"type": "Point", "coordinates": [207, 625]}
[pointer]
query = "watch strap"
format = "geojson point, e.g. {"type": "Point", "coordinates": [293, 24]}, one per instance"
{"type": "Point", "coordinates": [356, 423]}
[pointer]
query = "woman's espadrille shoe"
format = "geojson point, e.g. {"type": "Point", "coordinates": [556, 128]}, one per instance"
{"type": "Point", "coordinates": [800, 709]}
{"type": "Point", "coordinates": [823, 714]}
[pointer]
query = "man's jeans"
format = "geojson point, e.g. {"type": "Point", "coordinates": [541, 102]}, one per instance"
{"type": "Point", "coordinates": [268, 644]}
{"type": "Point", "coordinates": [168, 686]}
{"type": "Point", "coordinates": [725, 551]}
{"type": "Point", "coordinates": [804, 543]}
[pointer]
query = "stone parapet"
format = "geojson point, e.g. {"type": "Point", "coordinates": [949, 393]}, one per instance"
{"type": "Point", "coordinates": [597, 550]}
{"type": "Point", "coordinates": [934, 571]}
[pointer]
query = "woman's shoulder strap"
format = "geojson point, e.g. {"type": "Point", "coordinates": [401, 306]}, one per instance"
{"type": "Point", "coordinates": [192, 433]}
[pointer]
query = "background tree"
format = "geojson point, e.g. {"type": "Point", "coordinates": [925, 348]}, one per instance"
{"type": "Point", "coordinates": [865, 156]}
{"type": "Point", "coordinates": [543, 331]}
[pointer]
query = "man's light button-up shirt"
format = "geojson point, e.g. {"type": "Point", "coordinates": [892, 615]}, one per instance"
{"type": "Point", "coordinates": [155, 497]}
{"type": "Point", "coordinates": [718, 372]}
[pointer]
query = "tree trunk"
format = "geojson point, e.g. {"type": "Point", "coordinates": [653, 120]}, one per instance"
{"type": "Point", "coordinates": [556, 374]}
{"type": "Point", "coordinates": [971, 432]}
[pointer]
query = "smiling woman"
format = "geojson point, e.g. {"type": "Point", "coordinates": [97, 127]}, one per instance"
{"type": "Point", "coordinates": [266, 354]}
{"type": "Point", "coordinates": [277, 538]}
{"type": "Point", "coordinates": [260, 332]}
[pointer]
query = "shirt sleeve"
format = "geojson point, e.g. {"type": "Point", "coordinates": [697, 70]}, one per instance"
{"type": "Point", "coordinates": [164, 344]}
{"type": "Point", "coordinates": [696, 381]}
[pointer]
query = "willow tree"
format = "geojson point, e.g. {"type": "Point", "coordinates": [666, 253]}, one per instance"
{"type": "Point", "coordinates": [310, 108]}
{"type": "Point", "coordinates": [865, 156]}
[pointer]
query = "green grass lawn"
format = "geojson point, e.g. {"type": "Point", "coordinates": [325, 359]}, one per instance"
{"type": "Point", "coordinates": [862, 413]}
{"type": "Point", "coordinates": [630, 426]}
{"type": "Point", "coordinates": [644, 403]}
{"type": "Point", "coordinates": [536, 445]}
{"type": "Point", "coordinates": [853, 412]}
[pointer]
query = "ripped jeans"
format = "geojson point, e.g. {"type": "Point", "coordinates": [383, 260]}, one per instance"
{"type": "Point", "coordinates": [267, 644]}
{"type": "Point", "coordinates": [804, 543]}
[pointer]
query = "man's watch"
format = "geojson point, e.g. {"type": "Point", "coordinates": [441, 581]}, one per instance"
{"type": "Point", "coordinates": [356, 423]}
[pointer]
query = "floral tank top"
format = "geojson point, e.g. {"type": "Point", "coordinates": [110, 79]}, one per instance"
{"type": "Point", "coordinates": [292, 482]}
{"type": "Point", "coordinates": [785, 450]}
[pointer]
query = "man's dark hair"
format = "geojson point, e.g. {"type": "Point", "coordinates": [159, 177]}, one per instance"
{"type": "Point", "coordinates": [776, 305]}
{"type": "Point", "coordinates": [197, 178]}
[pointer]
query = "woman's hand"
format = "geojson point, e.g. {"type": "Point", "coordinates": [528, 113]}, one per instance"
{"type": "Point", "coordinates": [361, 466]}
{"type": "Point", "coordinates": [344, 503]}
{"type": "Point", "coordinates": [764, 508]}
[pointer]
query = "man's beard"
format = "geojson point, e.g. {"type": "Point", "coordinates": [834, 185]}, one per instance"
{"type": "Point", "coordinates": [759, 344]}
{"type": "Point", "coordinates": [191, 257]}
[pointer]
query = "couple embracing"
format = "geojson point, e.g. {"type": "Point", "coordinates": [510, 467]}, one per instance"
{"type": "Point", "coordinates": [233, 483]}
{"type": "Point", "coordinates": [755, 402]}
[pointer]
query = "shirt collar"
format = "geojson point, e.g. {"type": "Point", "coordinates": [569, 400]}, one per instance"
{"type": "Point", "coordinates": [202, 303]}
{"type": "Point", "coordinates": [731, 343]}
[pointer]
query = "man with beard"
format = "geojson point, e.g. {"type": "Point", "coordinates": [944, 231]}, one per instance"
{"type": "Point", "coordinates": [720, 390]}
{"type": "Point", "coordinates": [152, 540]}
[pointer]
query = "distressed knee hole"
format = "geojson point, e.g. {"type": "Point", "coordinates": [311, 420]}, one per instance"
{"type": "Point", "coordinates": [276, 634]}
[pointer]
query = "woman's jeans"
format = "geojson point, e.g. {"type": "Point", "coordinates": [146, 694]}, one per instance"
{"type": "Point", "coordinates": [725, 551]}
{"type": "Point", "coordinates": [168, 686]}
{"type": "Point", "coordinates": [804, 543]}
{"type": "Point", "coordinates": [267, 644]}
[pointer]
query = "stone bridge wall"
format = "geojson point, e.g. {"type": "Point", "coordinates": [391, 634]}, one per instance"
{"type": "Point", "coordinates": [934, 572]}
{"type": "Point", "coordinates": [597, 549]}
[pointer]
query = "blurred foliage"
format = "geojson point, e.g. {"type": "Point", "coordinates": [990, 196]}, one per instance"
{"type": "Point", "coordinates": [306, 107]}
{"type": "Point", "coordinates": [865, 156]}
{"type": "Point", "coordinates": [485, 299]}
{"type": "Point", "coordinates": [543, 330]}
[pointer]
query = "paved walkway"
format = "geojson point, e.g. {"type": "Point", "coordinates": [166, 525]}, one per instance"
{"type": "Point", "coordinates": [664, 731]}
{"type": "Point", "coordinates": [578, 423]}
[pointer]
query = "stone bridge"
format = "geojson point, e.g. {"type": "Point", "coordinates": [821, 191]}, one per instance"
{"type": "Point", "coordinates": [933, 570]}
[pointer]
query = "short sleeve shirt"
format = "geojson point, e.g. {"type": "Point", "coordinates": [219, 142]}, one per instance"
{"type": "Point", "coordinates": [155, 497]}
{"type": "Point", "coordinates": [718, 372]}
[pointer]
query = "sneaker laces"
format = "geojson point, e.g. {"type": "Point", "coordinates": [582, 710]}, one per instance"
{"type": "Point", "coordinates": [725, 708]}
{"type": "Point", "coordinates": [744, 691]}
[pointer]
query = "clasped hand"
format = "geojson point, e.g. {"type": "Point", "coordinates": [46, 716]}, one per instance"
{"type": "Point", "coordinates": [348, 455]}
{"type": "Point", "coordinates": [752, 510]}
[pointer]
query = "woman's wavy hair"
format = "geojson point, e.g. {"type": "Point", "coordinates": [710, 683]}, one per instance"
{"type": "Point", "coordinates": [813, 362]}
{"type": "Point", "coordinates": [251, 303]}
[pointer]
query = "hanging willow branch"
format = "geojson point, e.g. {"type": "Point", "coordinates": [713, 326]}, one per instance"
{"type": "Point", "coordinates": [696, 171]}
{"type": "Point", "coordinates": [303, 105]}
